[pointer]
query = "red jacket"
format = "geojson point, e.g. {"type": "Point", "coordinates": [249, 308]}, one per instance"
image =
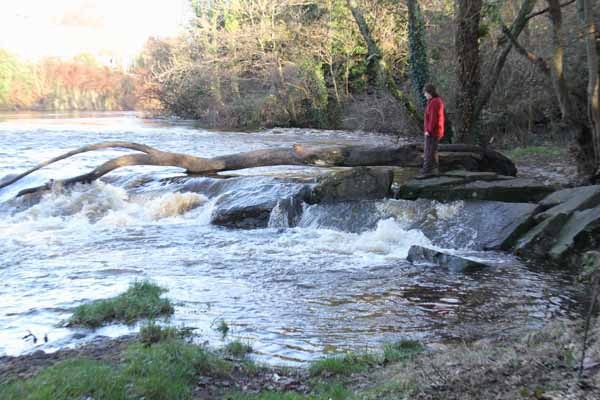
{"type": "Point", "coordinates": [434, 117]}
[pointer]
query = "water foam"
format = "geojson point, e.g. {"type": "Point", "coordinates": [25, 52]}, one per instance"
{"type": "Point", "coordinates": [99, 203]}
{"type": "Point", "coordinates": [173, 204]}
{"type": "Point", "coordinates": [389, 239]}
{"type": "Point", "coordinates": [388, 242]}
{"type": "Point", "coordinates": [446, 211]}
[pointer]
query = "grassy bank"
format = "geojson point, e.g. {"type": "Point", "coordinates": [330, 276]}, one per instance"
{"type": "Point", "coordinates": [537, 151]}
{"type": "Point", "coordinates": [141, 300]}
{"type": "Point", "coordinates": [540, 364]}
{"type": "Point", "coordinates": [164, 370]}
{"type": "Point", "coordinates": [163, 363]}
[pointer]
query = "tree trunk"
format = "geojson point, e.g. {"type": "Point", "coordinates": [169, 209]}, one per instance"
{"type": "Point", "coordinates": [515, 30]}
{"type": "Point", "coordinates": [559, 82]}
{"type": "Point", "coordinates": [417, 60]}
{"type": "Point", "coordinates": [587, 142]}
{"type": "Point", "coordinates": [375, 66]}
{"type": "Point", "coordinates": [345, 156]}
{"type": "Point", "coordinates": [380, 76]}
{"type": "Point", "coordinates": [593, 89]}
{"type": "Point", "coordinates": [468, 16]}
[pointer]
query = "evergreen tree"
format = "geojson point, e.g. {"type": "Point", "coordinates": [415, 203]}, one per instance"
{"type": "Point", "coordinates": [417, 50]}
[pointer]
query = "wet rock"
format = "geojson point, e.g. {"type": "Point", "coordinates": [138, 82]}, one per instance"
{"type": "Point", "coordinates": [423, 255]}
{"type": "Point", "coordinates": [350, 216]}
{"type": "Point", "coordinates": [477, 225]}
{"type": "Point", "coordinates": [286, 213]}
{"type": "Point", "coordinates": [564, 195]}
{"type": "Point", "coordinates": [504, 224]}
{"type": "Point", "coordinates": [460, 160]}
{"type": "Point", "coordinates": [469, 176]}
{"type": "Point", "coordinates": [247, 203]}
{"type": "Point", "coordinates": [430, 188]}
{"type": "Point", "coordinates": [540, 239]}
{"type": "Point", "coordinates": [518, 190]}
{"type": "Point", "coordinates": [475, 186]}
{"type": "Point", "coordinates": [235, 211]}
{"type": "Point", "coordinates": [580, 233]}
{"type": "Point", "coordinates": [246, 216]}
{"type": "Point", "coordinates": [358, 183]}
{"type": "Point", "coordinates": [567, 201]}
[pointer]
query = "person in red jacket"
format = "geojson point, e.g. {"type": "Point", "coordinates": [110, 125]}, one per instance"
{"type": "Point", "coordinates": [433, 128]}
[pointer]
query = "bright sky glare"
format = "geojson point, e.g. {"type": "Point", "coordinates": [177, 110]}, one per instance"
{"type": "Point", "coordinates": [63, 28]}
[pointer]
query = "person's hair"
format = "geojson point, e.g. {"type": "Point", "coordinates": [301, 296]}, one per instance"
{"type": "Point", "coordinates": [429, 88]}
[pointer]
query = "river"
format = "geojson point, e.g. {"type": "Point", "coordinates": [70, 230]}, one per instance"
{"type": "Point", "coordinates": [337, 280]}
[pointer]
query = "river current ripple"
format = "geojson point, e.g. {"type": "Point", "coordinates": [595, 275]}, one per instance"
{"type": "Point", "coordinates": [337, 281]}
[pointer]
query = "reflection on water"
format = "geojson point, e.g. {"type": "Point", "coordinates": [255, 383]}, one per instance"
{"type": "Point", "coordinates": [336, 280]}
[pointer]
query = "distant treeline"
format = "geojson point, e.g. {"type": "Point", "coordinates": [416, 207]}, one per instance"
{"type": "Point", "coordinates": [260, 63]}
{"type": "Point", "coordinates": [55, 84]}
{"type": "Point", "coordinates": [251, 64]}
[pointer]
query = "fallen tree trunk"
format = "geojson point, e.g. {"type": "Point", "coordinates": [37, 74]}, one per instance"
{"type": "Point", "coordinates": [410, 155]}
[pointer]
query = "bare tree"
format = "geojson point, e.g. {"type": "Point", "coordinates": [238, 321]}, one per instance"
{"type": "Point", "coordinates": [468, 17]}
{"type": "Point", "coordinates": [593, 89]}
{"type": "Point", "coordinates": [375, 64]}
{"type": "Point", "coordinates": [587, 141]}
{"type": "Point", "coordinates": [380, 75]}
{"type": "Point", "coordinates": [473, 95]}
{"type": "Point", "coordinates": [559, 81]}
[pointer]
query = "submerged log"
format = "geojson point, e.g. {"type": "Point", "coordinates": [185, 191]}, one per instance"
{"type": "Point", "coordinates": [343, 155]}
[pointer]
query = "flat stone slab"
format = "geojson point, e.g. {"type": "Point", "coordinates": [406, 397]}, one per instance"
{"type": "Point", "coordinates": [510, 221]}
{"type": "Point", "coordinates": [476, 176]}
{"type": "Point", "coordinates": [518, 190]}
{"type": "Point", "coordinates": [580, 233]}
{"type": "Point", "coordinates": [571, 200]}
{"type": "Point", "coordinates": [564, 195]}
{"type": "Point", "coordinates": [541, 238]}
{"type": "Point", "coordinates": [456, 187]}
{"type": "Point", "coordinates": [430, 188]}
{"type": "Point", "coordinates": [424, 255]}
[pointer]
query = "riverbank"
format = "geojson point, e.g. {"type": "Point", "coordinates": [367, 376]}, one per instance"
{"type": "Point", "coordinates": [551, 164]}
{"type": "Point", "coordinates": [534, 364]}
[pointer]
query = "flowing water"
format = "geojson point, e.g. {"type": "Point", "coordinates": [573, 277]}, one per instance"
{"type": "Point", "coordinates": [334, 279]}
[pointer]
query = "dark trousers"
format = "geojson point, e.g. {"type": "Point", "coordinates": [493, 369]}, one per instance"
{"type": "Point", "coordinates": [430, 155]}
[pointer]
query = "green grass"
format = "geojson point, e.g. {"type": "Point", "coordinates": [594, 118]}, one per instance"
{"type": "Point", "coordinates": [163, 371]}
{"type": "Point", "coordinates": [269, 396]}
{"type": "Point", "coordinates": [72, 379]}
{"type": "Point", "coordinates": [403, 350]}
{"type": "Point", "coordinates": [141, 300]}
{"type": "Point", "coordinates": [343, 365]}
{"type": "Point", "coordinates": [223, 328]}
{"type": "Point", "coordinates": [333, 391]}
{"type": "Point", "coordinates": [250, 367]}
{"type": "Point", "coordinates": [151, 333]}
{"type": "Point", "coordinates": [520, 152]}
{"type": "Point", "coordinates": [166, 370]}
{"type": "Point", "coordinates": [237, 349]}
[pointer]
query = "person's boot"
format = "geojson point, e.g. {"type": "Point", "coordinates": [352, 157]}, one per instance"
{"type": "Point", "coordinates": [424, 175]}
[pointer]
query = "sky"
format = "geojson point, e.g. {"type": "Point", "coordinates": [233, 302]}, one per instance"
{"type": "Point", "coordinates": [116, 29]}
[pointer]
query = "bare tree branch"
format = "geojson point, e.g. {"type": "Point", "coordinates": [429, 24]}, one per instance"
{"type": "Point", "coordinates": [545, 10]}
